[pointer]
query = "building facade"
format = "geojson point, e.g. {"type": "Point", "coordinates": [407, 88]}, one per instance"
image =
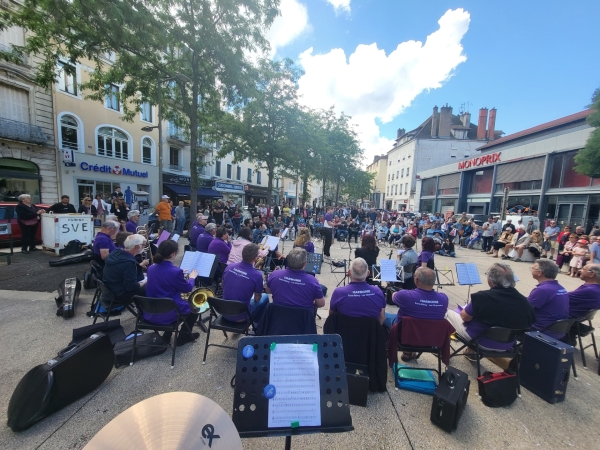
{"type": "Point", "coordinates": [441, 139]}
{"type": "Point", "coordinates": [379, 168]}
{"type": "Point", "coordinates": [28, 158]}
{"type": "Point", "coordinates": [531, 171]}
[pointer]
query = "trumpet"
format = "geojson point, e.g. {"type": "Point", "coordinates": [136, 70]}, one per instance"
{"type": "Point", "coordinates": [197, 298]}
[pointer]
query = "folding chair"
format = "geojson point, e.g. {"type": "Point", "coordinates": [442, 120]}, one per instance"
{"type": "Point", "coordinates": [96, 270]}
{"type": "Point", "coordinates": [108, 301]}
{"type": "Point", "coordinates": [582, 330]}
{"type": "Point", "coordinates": [220, 308]}
{"type": "Point", "coordinates": [496, 334]}
{"type": "Point", "coordinates": [152, 305]}
{"type": "Point", "coordinates": [562, 327]}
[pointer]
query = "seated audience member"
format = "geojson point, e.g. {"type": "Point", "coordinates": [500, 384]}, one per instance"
{"type": "Point", "coordinates": [353, 230]}
{"type": "Point", "coordinates": [425, 258]}
{"type": "Point", "coordinates": [242, 282]}
{"type": "Point", "coordinates": [122, 274]}
{"type": "Point", "coordinates": [448, 248]}
{"type": "Point", "coordinates": [535, 243]}
{"type": "Point", "coordinates": [566, 253]}
{"type": "Point", "coordinates": [243, 239]}
{"type": "Point", "coordinates": [504, 239]}
{"type": "Point", "coordinates": [500, 306]}
{"type": "Point", "coordinates": [474, 237]}
{"type": "Point", "coordinates": [293, 286]}
{"type": "Point", "coordinates": [165, 280]}
{"type": "Point", "coordinates": [368, 250]}
{"type": "Point", "coordinates": [359, 299]}
{"type": "Point", "coordinates": [303, 241]}
{"type": "Point", "coordinates": [220, 245]}
{"type": "Point", "coordinates": [103, 242]}
{"type": "Point", "coordinates": [206, 238]}
{"type": "Point", "coordinates": [580, 252]}
{"type": "Point", "coordinates": [587, 296]}
{"type": "Point", "coordinates": [197, 229]}
{"type": "Point", "coordinates": [395, 233]}
{"type": "Point", "coordinates": [549, 299]}
{"type": "Point", "coordinates": [132, 223]}
{"type": "Point", "coordinates": [520, 241]}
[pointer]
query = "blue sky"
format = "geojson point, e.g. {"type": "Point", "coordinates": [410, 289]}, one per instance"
{"type": "Point", "coordinates": [534, 60]}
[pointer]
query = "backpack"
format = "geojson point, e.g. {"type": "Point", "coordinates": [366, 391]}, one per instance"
{"type": "Point", "coordinates": [124, 348]}
{"type": "Point", "coordinates": [72, 248]}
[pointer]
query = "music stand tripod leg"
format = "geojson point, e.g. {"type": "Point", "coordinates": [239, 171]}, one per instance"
{"type": "Point", "coordinates": [288, 443]}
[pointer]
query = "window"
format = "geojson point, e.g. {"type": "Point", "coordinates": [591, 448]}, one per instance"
{"type": "Point", "coordinates": [406, 188]}
{"type": "Point", "coordinates": [258, 177]}
{"type": "Point", "coordinates": [397, 174]}
{"type": "Point", "coordinates": [174, 158]}
{"type": "Point", "coordinates": [110, 56]}
{"type": "Point", "coordinates": [238, 175]}
{"type": "Point", "coordinates": [67, 78]}
{"type": "Point", "coordinates": [387, 190]}
{"type": "Point", "coordinates": [392, 176]}
{"type": "Point", "coordinates": [428, 187]}
{"type": "Point", "coordinates": [112, 99]}
{"type": "Point", "coordinates": [481, 181]}
{"type": "Point", "coordinates": [407, 171]}
{"type": "Point", "coordinates": [147, 112]}
{"type": "Point", "coordinates": [112, 143]}
{"type": "Point", "coordinates": [229, 167]}
{"type": "Point", "coordinates": [147, 151]}
{"type": "Point", "coordinates": [564, 175]}
{"type": "Point", "coordinates": [218, 169]}
{"type": "Point", "coordinates": [402, 173]}
{"type": "Point", "coordinates": [69, 128]}
{"type": "Point", "coordinates": [396, 190]}
{"type": "Point", "coordinates": [175, 132]}
{"type": "Point", "coordinates": [290, 186]}
{"type": "Point", "coordinates": [203, 165]}
{"type": "Point", "coordinates": [400, 189]}
{"type": "Point", "coordinates": [249, 177]}
{"type": "Point", "coordinates": [388, 177]}
{"type": "Point", "coordinates": [14, 103]}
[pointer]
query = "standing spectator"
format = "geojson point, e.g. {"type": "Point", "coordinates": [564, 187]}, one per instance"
{"type": "Point", "coordinates": [487, 235]}
{"type": "Point", "coordinates": [87, 207]}
{"type": "Point", "coordinates": [63, 207]}
{"type": "Point", "coordinates": [163, 210]}
{"type": "Point", "coordinates": [28, 219]}
{"type": "Point", "coordinates": [101, 206]}
{"type": "Point", "coordinates": [180, 218]}
{"type": "Point", "coordinates": [551, 239]}
{"type": "Point", "coordinates": [595, 251]}
{"type": "Point", "coordinates": [218, 213]}
{"type": "Point", "coordinates": [580, 251]}
{"type": "Point", "coordinates": [116, 194]}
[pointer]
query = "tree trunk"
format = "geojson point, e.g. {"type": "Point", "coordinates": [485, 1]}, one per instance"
{"type": "Point", "coordinates": [193, 141]}
{"type": "Point", "coordinates": [323, 205]}
{"type": "Point", "coordinates": [270, 169]}
{"type": "Point", "coordinates": [337, 194]}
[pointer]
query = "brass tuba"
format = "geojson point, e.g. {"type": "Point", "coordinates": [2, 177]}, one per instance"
{"type": "Point", "coordinates": [197, 298]}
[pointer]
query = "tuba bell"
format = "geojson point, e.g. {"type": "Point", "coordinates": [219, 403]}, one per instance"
{"type": "Point", "coordinates": [197, 298]}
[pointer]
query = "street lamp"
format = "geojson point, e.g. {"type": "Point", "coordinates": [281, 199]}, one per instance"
{"type": "Point", "coordinates": [182, 79]}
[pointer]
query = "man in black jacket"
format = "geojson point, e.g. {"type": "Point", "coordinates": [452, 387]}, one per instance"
{"type": "Point", "coordinates": [122, 274]}
{"type": "Point", "coordinates": [63, 207]}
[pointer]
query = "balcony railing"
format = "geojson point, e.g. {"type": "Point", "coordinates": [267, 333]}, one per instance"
{"type": "Point", "coordinates": [21, 131]}
{"type": "Point", "coordinates": [176, 167]}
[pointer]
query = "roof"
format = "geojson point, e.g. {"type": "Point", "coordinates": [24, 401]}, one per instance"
{"type": "Point", "coordinates": [539, 128]}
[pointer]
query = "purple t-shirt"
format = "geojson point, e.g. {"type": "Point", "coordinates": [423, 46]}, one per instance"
{"type": "Point", "coordinates": [203, 242]}
{"type": "Point", "coordinates": [220, 248]}
{"type": "Point", "coordinates": [583, 299]}
{"type": "Point", "coordinates": [102, 241]}
{"type": "Point", "coordinates": [294, 288]}
{"type": "Point", "coordinates": [421, 304]}
{"type": "Point", "coordinates": [475, 328]}
{"type": "Point", "coordinates": [131, 226]}
{"type": "Point", "coordinates": [309, 247]}
{"type": "Point", "coordinates": [196, 231]}
{"type": "Point", "coordinates": [240, 282]}
{"type": "Point", "coordinates": [550, 303]}
{"type": "Point", "coordinates": [358, 299]}
{"type": "Point", "coordinates": [424, 257]}
{"type": "Point", "coordinates": [167, 281]}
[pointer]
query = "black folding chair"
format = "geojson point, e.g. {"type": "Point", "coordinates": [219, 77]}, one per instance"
{"type": "Point", "coordinates": [580, 329]}
{"type": "Point", "coordinates": [563, 327]}
{"type": "Point", "coordinates": [220, 308]}
{"type": "Point", "coordinates": [108, 300]}
{"type": "Point", "coordinates": [496, 334]}
{"type": "Point", "coordinates": [96, 271]}
{"type": "Point", "coordinates": [152, 305]}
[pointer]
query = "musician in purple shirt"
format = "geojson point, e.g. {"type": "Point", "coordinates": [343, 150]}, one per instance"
{"type": "Point", "coordinates": [549, 299]}
{"type": "Point", "coordinates": [197, 229]}
{"type": "Point", "coordinates": [220, 245]}
{"type": "Point", "coordinates": [587, 296]}
{"type": "Point", "coordinates": [166, 280]}
{"type": "Point", "coordinates": [359, 299]}
{"type": "Point", "coordinates": [206, 238]}
{"type": "Point", "coordinates": [293, 286]}
{"type": "Point", "coordinates": [103, 242]}
{"type": "Point", "coordinates": [242, 282]}
{"type": "Point", "coordinates": [132, 223]}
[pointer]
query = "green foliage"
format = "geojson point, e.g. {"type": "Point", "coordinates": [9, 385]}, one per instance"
{"type": "Point", "coordinates": [587, 160]}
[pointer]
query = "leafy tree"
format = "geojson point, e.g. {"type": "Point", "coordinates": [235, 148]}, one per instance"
{"type": "Point", "coordinates": [358, 184]}
{"type": "Point", "coordinates": [587, 160]}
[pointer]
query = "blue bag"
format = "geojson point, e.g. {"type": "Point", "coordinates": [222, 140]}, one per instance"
{"type": "Point", "coordinates": [416, 380]}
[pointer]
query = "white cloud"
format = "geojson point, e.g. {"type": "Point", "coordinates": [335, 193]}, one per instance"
{"type": "Point", "coordinates": [370, 85]}
{"type": "Point", "coordinates": [340, 5]}
{"type": "Point", "coordinates": [292, 22]}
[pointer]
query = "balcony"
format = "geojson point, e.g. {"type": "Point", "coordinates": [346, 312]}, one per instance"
{"type": "Point", "coordinates": [8, 48]}
{"type": "Point", "coordinates": [175, 167]}
{"type": "Point", "coordinates": [21, 131]}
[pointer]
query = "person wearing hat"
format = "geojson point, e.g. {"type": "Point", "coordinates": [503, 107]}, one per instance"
{"type": "Point", "coordinates": [163, 211]}
{"type": "Point", "coordinates": [206, 238]}
{"type": "Point", "coordinates": [580, 251]}
{"type": "Point", "coordinates": [197, 229]}
{"type": "Point", "coordinates": [132, 223]}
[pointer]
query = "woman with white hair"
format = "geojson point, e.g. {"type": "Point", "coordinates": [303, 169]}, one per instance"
{"type": "Point", "coordinates": [28, 217]}
{"type": "Point", "coordinates": [132, 223]}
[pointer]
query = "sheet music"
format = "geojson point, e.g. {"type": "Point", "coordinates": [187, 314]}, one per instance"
{"type": "Point", "coordinates": [202, 262]}
{"type": "Point", "coordinates": [467, 274]}
{"type": "Point", "coordinates": [175, 237]}
{"type": "Point", "coordinates": [284, 233]}
{"type": "Point", "coordinates": [294, 372]}
{"type": "Point", "coordinates": [388, 270]}
{"type": "Point", "coordinates": [271, 241]}
{"type": "Point", "coordinates": [163, 237]}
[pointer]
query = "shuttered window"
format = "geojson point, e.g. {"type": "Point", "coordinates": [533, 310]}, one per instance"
{"type": "Point", "coordinates": [529, 169]}
{"type": "Point", "coordinates": [449, 181]}
{"type": "Point", "coordinates": [14, 103]}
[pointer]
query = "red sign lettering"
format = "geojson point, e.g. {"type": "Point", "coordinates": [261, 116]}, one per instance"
{"type": "Point", "coordinates": [479, 161]}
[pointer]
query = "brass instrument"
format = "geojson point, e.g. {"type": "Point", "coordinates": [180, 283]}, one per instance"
{"type": "Point", "coordinates": [143, 231]}
{"type": "Point", "coordinates": [197, 298]}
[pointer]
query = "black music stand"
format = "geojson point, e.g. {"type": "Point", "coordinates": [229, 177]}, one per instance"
{"type": "Point", "coordinates": [467, 275]}
{"type": "Point", "coordinates": [340, 269]}
{"type": "Point", "coordinates": [252, 375]}
{"type": "Point", "coordinates": [448, 278]}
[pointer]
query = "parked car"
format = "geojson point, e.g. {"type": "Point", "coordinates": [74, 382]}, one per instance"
{"type": "Point", "coordinates": [8, 214]}
{"type": "Point", "coordinates": [479, 219]}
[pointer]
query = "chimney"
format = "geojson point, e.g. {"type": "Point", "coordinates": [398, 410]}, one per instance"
{"type": "Point", "coordinates": [466, 119]}
{"type": "Point", "coordinates": [483, 114]}
{"type": "Point", "coordinates": [434, 122]}
{"type": "Point", "coordinates": [401, 132]}
{"type": "Point", "coordinates": [445, 121]}
{"type": "Point", "coordinates": [491, 124]}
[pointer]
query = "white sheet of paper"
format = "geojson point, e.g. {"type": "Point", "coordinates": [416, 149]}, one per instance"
{"type": "Point", "coordinates": [202, 262]}
{"type": "Point", "coordinates": [284, 233]}
{"type": "Point", "coordinates": [175, 237]}
{"type": "Point", "coordinates": [388, 270]}
{"type": "Point", "coordinates": [294, 372]}
{"type": "Point", "coordinates": [271, 241]}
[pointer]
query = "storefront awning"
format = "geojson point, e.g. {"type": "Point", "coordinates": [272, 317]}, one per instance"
{"type": "Point", "coordinates": [185, 190]}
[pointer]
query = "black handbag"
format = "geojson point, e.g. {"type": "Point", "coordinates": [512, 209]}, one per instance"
{"type": "Point", "coordinates": [497, 389]}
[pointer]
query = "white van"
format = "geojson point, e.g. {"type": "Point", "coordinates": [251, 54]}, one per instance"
{"type": "Point", "coordinates": [526, 219]}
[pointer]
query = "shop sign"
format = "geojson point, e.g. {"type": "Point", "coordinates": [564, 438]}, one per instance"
{"type": "Point", "coordinates": [183, 180]}
{"type": "Point", "coordinates": [116, 170]}
{"type": "Point", "coordinates": [479, 161]}
{"type": "Point", "coordinates": [229, 186]}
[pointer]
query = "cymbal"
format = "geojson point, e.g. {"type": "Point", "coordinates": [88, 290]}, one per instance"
{"type": "Point", "coordinates": [171, 421]}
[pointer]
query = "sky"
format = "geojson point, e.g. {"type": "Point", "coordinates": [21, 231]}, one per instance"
{"type": "Point", "coordinates": [387, 63]}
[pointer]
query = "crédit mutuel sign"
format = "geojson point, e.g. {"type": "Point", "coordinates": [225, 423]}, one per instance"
{"type": "Point", "coordinates": [479, 161]}
{"type": "Point", "coordinates": [116, 170]}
